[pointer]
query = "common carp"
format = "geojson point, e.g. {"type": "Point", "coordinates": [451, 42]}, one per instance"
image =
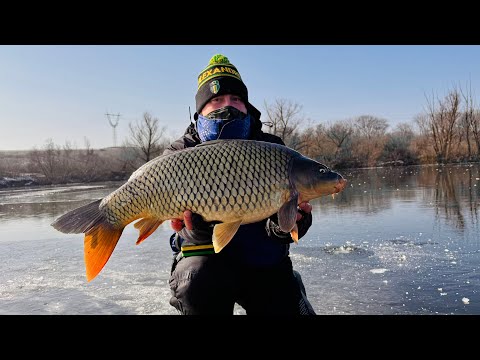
{"type": "Point", "coordinates": [233, 182]}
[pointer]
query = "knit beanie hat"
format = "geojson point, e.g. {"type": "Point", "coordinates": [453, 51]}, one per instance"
{"type": "Point", "coordinates": [218, 78]}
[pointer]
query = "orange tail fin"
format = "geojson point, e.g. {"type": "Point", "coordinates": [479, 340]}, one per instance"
{"type": "Point", "coordinates": [99, 244]}
{"type": "Point", "coordinates": [100, 236]}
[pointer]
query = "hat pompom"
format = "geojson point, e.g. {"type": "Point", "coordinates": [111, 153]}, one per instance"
{"type": "Point", "coordinates": [219, 59]}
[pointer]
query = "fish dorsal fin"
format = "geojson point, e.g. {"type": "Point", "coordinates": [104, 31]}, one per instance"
{"type": "Point", "coordinates": [213, 142]}
{"type": "Point", "coordinates": [287, 214]}
{"type": "Point", "coordinates": [223, 233]}
{"type": "Point", "coordinates": [99, 244]}
{"type": "Point", "coordinates": [146, 227]}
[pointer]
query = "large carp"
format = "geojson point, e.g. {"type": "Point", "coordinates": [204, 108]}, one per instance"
{"type": "Point", "coordinates": [234, 182]}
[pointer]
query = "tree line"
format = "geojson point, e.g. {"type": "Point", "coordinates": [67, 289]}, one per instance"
{"type": "Point", "coordinates": [447, 131]}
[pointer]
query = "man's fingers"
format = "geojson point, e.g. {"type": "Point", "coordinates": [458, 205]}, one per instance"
{"type": "Point", "coordinates": [177, 224]}
{"type": "Point", "coordinates": [187, 219]}
{"type": "Point", "coordinates": [305, 206]}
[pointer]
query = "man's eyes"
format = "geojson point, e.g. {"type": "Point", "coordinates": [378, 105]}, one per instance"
{"type": "Point", "coordinates": [219, 99]}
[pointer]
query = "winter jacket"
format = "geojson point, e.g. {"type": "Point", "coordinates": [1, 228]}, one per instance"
{"type": "Point", "coordinates": [257, 244]}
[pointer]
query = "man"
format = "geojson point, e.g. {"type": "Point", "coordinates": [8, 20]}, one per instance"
{"type": "Point", "coordinates": [254, 270]}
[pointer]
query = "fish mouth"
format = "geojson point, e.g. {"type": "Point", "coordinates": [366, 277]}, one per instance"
{"type": "Point", "coordinates": [342, 183]}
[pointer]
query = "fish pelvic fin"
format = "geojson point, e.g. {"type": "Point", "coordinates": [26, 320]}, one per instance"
{"type": "Point", "coordinates": [287, 214]}
{"type": "Point", "coordinates": [294, 234]}
{"type": "Point", "coordinates": [146, 227]}
{"type": "Point", "coordinates": [223, 233]}
{"type": "Point", "coordinates": [99, 244]}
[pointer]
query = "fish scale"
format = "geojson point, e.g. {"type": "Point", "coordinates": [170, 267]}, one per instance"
{"type": "Point", "coordinates": [232, 182]}
{"type": "Point", "coordinates": [235, 172]}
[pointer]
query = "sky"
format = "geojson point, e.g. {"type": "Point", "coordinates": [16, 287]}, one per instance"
{"type": "Point", "coordinates": [63, 92]}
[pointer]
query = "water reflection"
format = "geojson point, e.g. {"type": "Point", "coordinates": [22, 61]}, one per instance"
{"type": "Point", "coordinates": [452, 191]}
{"type": "Point", "coordinates": [455, 195]}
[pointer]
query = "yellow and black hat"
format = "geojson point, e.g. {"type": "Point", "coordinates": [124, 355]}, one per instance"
{"type": "Point", "coordinates": [218, 78]}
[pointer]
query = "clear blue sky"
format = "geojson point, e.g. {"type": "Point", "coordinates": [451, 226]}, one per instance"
{"type": "Point", "coordinates": [63, 92]}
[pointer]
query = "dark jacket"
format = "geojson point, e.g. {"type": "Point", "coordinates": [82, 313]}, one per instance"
{"type": "Point", "coordinates": [257, 244]}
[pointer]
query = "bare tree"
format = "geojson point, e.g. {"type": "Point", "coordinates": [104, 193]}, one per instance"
{"type": "Point", "coordinates": [313, 143]}
{"type": "Point", "coordinates": [88, 163]}
{"type": "Point", "coordinates": [441, 122]}
{"type": "Point", "coordinates": [470, 123]}
{"type": "Point", "coordinates": [476, 130]}
{"type": "Point", "coordinates": [284, 119]}
{"type": "Point", "coordinates": [146, 136]}
{"type": "Point", "coordinates": [398, 145]}
{"type": "Point", "coordinates": [53, 162]}
{"type": "Point", "coordinates": [340, 134]}
{"type": "Point", "coordinates": [422, 145]}
{"type": "Point", "coordinates": [370, 126]}
{"type": "Point", "coordinates": [370, 138]}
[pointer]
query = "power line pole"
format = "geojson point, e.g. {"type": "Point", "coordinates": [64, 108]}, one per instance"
{"type": "Point", "coordinates": [114, 126]}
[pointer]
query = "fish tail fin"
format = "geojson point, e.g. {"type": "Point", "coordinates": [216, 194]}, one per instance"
{"type": "Point", "coordinates": [99, 244]}
{"type": "Point", "coordinates": [100, 236]}
{"type": "Point", "coordinates": [80, 220]}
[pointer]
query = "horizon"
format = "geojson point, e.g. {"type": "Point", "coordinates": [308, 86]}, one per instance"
{"type": "Point", "coordinates": [63, 92]}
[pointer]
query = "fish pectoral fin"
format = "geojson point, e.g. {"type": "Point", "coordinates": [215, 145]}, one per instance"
{"type": "Point", "coordinates": [223, 233]}
{"type": "Point", "coordinates": [287, 214]}
{"type": "Point", "coordinates": [99, 244]}
{"type": "Point", "coordinates": [146, 227]}
{"type": "Point", "coordinates": [294, 233]}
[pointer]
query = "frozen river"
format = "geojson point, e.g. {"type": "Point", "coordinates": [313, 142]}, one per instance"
{"type": "Point", "coordinates": [396, 241]}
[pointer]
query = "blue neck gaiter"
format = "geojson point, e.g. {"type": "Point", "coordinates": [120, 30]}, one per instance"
{"type": "Point", "coordinates": [225, 123]}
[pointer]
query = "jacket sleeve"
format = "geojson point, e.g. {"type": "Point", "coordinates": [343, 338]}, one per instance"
{"type": "Point", "coordinates": [201, 233]}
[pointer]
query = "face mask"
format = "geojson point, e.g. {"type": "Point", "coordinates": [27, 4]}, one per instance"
{"type": "Point", "coordinates": [224, 123]}
{"type": "Point", "coordinates": [226, 113]}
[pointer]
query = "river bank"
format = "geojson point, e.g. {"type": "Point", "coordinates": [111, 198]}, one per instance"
{"type": "Point", "coordinates": [20, 181]}
{"type": "Point", "coordinates": [30, 168]}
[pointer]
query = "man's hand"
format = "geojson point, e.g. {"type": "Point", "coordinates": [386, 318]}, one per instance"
{"type": "Point", "coordinates": [194, 228]}
{"type": "Point", "coordinates": [178, 224]}
{"type": "Point", "coordinates": [306, 207]}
